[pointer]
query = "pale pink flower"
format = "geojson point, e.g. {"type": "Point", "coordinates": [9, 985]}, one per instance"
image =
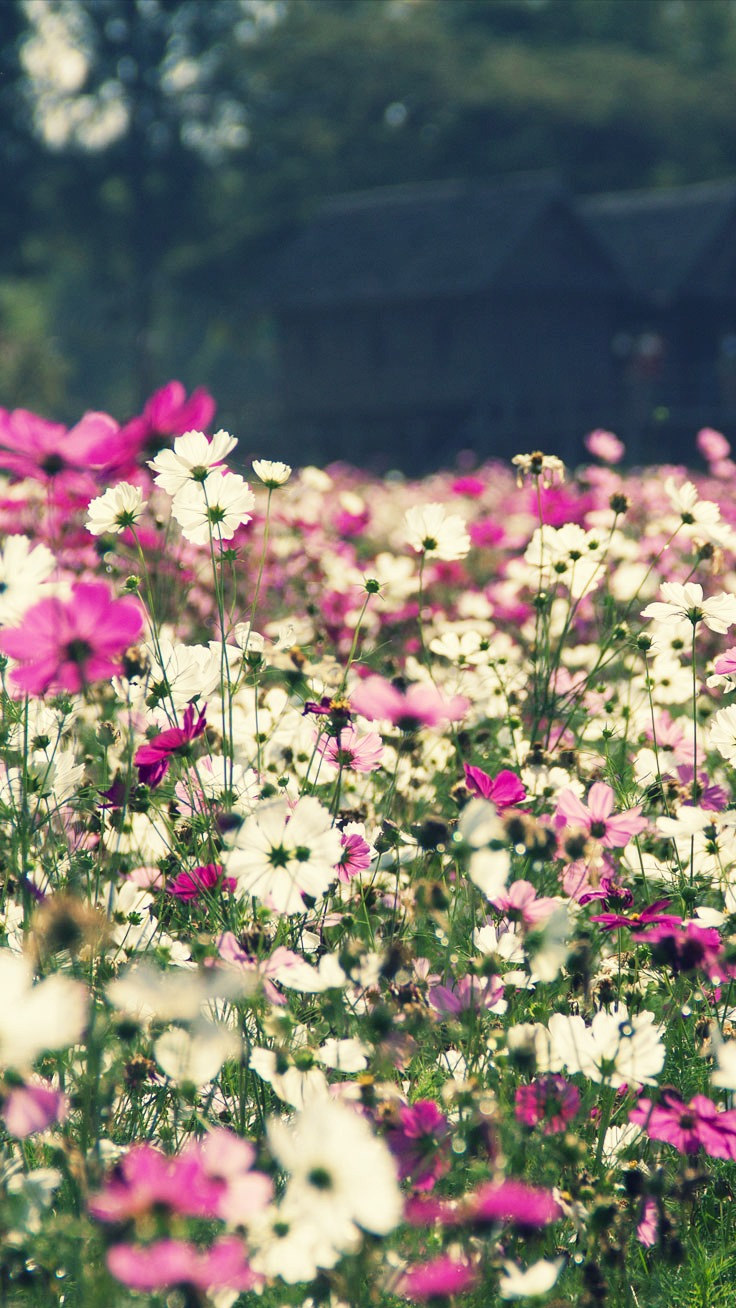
{"type": "Point", "coordinates": [604, 445]}
{"type": "Point", "coordinates": [417, 706]}
{"type": "Point", "coordinates": [352, 750]}
{"type": "Point", "coordinates": [597, 817]}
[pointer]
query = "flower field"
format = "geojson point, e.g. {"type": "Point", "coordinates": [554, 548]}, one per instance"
{"type": "Point", "coordinates": [368, 855]}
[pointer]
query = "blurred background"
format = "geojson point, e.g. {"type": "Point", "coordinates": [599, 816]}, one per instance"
{"type": "Point", "coordinates": [173, 205]}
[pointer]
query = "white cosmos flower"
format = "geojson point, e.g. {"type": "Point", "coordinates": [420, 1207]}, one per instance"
{"type": "Point", "coordinates": [23, 571]}
{"type": "Point", "coordinates": [192, 459]}
{"type": "Point", "coordinates": [722, 732]}
{"type": "Point", "coordinates": [289, 1245]}
{"type": "Point", "coordinates": [725, 1074]}
{"type": "Point", "coordinates": [429, 529]}
{"type": "Point", "coordinates": [188, 670]}
{"type": "Point", "coordinates": [34, 1018]}
{"type": "Point", "coordinates": [342, 1177]}
{"type": "Point", "coordinates": [686, 601]}
{"type": "Point", "coordinates": [197, 1054]}
{"type": "Point", "coordinates": [344, 1055]}
{"type": "Point", "coordinates": [282, 854]}
{"type": "Point", "coordinates": [699, 518]}
{"type": "Point", "coordinates": [296, 1086]}
{"type": "Point", "coordinates": [615, 1048]}
{"type": "Point", "coordinates": [213, 508]}
{"type": "Point", "coordinates": [271, 473]}
{"type": "Point", "coordinates": [538, 1279]}
{"type": "Point", "coordinates": [121, 506]}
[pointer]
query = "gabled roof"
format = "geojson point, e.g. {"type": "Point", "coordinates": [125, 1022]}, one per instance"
{"type": "Point", "coordinates": [661, 239]}
{"type": "Point", "coordinates": [420, 241]}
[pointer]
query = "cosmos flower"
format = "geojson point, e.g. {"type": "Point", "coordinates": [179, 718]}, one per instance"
{"type": "Point", "coordinates": [416, 706]}
{"type": "Point", "coordinates": [212, 508]}
{"type": "Point", "coordinates": [613, 832]}
{"type": "Point", "coordinates": [680, 602]}
{"type": "Point", "coordinates": [271, 473]}
{"type": "Point", "coordinates": [431, 531]}
{"type": "Point", "coordinates": [70, 644]}
{"type": "Point", "coordinates": [121, 506]}
{"type": "Point", "coordinates": [194, 458]}
{"type": "Point", "coordinates": [550, 1101]}
{"type": "Point", "coordinates": [283, 853]}
{"type": "Point", "coordinates": [153, 759]}
{"type": "Point", "coordinates": [699, 1124]}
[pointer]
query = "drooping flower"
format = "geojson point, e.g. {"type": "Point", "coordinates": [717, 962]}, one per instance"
{"type": "Point", "coordinates": [154, 758]}
{"type": "Point", "coordinates": [66, 645]}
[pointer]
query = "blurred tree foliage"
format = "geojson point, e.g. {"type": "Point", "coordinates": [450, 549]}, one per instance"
{"type": "Point", "coordinates": [154, 153]}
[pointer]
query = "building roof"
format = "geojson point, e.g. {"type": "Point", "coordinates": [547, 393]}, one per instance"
{"type": "Point", "coordinates": [661, 240]}
{"type": "Point", "coordinates": [421, 241]}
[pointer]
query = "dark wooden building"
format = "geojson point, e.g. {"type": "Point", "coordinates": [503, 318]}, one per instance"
{"type": "Point", "coordinates": [414, 322]}
{"type": "Point", "coordinates": [421, 320]}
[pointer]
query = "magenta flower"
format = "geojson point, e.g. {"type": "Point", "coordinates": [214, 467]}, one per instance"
{"type": "Point", "coordinates": [168, 412]}
{"type": "Point", "coordinates": [550, 1100]}
{"type": "Point", "coordinates": [441, 1277]}
{"type": "Point", "coordinates": [192, 885]}
{"type": "Point", "coordinates": [700, 1124]}
{"type": "Point", "coordinates": [522, 903]}
{"type": "Point", "coordinates": [470, 992]}
{"type": "Point", "coordinates": [167, 1263]}
{"type": "Point", "coordinates": [684, 946]}
{"type": "Point", "coordinates": [503, 790]}
{"type": "Point", "coordinates": [612, 832]}
{"type": "Point", "coordinates": [32, 447]}
{"type": "Point", "coordinates": [647, 1230]}
{"type": "Point", "coordinates": [146, 1178]}
{"type": "Point", "coordinates": [652, 915]}
{"type": "Point", "coordinates": [153, 758]}
{"type": "Point", "coordinates": [513, 1201]}
{"type": "Point", "coordinates": [420, 1143]}
{"type": "Point", "coordinates": [66, 645]}
{"type": "Point", "coordinates": [417, 706]}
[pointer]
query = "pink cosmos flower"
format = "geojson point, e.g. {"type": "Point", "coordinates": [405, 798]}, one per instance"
{"type": "Point", "coordinates": [647, 1230]}
{"type": "Point", "coordinates": [353, 750]}
{"type": "Point", "coordinates": [469, 992]}
{"type": "Point", "coordinates": [725, 664]}
{"type": "Point", "coordinates": [146, 1178]}
{"type": "Point", "coordinates": [66, 645]}
{"type": "Point", "coordinates": [355, 857]}
{"type": "Point", "coordinates": [700, 1124]}
{"type": "Point", "coordinates": [31, 1108]}
{"type": "Point", "coordinates": [550, 1100]}
{"type": "Point", "coordinates": [438, 1279]}
{"type": "Point", "coordinates": [417, 706]}
{"type": "Point", "coordinates": [712, 445]}
{"type": "Point", "coordinates": [420, 1143]}
{"type": "Point", "coordinates": [168, 412]}
{"type": "Point", "coordinates": [596, 817]}
{"type": "Point", "coordinates": [604, 445]}
{"type": "Point", "coordinates": [521, 902]}
{"type": "Point", "coordinates": [153, 758]}
{"type": "Point", "coordinates": [32, 447]}
{"type": "Point", "coordinates": [523, 1205]}
{"type": "Point", "coordinates": [167, 1263]}
{"type": "Point", "coordinates": [192, 885]}
{"type": "Point", "coordinates": [503, 790]}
